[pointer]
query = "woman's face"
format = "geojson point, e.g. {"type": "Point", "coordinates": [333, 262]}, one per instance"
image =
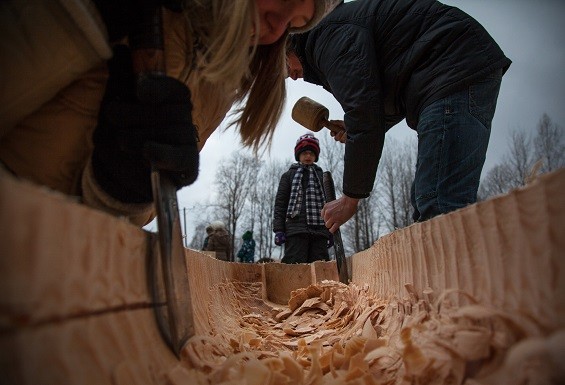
{"type": "Point", "coordinates": [276, 16]}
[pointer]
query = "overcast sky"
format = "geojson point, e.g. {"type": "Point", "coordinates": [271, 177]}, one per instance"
{"type": "Point", "coordinates": [531, 34]}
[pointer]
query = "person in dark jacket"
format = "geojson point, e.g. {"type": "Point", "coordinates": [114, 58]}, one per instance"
{"type": "Point", "coordinates": [421, 60]}
{"type": "Point", "coordinates": [246, 253]}
{"type": "Point", "coordinates": [297, 221]}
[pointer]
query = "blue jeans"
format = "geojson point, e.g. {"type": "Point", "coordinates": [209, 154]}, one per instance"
{"type": "Point", "coordinates": [453, 135]}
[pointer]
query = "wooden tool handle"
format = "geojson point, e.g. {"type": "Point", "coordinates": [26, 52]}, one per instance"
{"type": "Point", "coordinates": [146, 40]}
{"type": "Point", "coordinates": [342, 270]}
{"type": "Point", "coordinates": [333, 127]}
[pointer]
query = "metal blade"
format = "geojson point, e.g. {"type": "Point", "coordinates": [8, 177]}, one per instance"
{"type": "Point", "coordinates": [180, 318]}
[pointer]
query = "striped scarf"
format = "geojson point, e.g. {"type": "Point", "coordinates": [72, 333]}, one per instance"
{"type": "Point", "coordinates": [314, 197]}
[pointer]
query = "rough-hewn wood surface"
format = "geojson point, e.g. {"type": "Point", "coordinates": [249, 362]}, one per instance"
{"type": "Point", "coordinates": [75, 305]}
{"type": "Point", "coordinates": [508, 252]}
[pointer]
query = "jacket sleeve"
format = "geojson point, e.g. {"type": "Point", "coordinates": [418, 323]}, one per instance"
{"type": "Point", "coordinates": [41, 57]}
{"type": "Point", "coordinates": [347, 57]}
{"type": "Point", "coordinates": [281, 203]}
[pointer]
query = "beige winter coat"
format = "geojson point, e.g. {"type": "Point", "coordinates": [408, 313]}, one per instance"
{"type": "Point", "coordinates": [219, 241]}
{"type": "Point", "coordinates": [51, 145]}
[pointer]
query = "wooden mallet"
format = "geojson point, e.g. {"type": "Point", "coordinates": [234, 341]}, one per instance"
{"type": "Point", "coordinates": [313, 115]}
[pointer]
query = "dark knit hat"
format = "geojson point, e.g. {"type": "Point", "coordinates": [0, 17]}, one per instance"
{"type": "Point", "coordinates": [307, 142]}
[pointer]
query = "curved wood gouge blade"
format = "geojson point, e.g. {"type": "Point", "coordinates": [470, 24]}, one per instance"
{"type": "Point", "coordinates": [168, 276]}
{"type": "Point", "coordinates": [177, 324]}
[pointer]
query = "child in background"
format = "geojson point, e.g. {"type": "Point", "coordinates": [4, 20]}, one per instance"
{"type": "Point", "coordinates": [297, 221]}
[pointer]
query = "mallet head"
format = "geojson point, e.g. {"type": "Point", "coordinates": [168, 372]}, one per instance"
{"type": "Point", "coordinates": [310, 114]}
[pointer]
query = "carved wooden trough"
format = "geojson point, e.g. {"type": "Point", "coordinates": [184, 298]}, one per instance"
{"type": "Point", "coordinates": [488, 281]}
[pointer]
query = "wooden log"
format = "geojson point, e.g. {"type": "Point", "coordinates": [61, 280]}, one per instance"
{"type": "Point", "coordinates": [75, 307]}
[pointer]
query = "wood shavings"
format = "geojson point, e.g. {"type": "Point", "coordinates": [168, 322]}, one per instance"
{"type": "Point", "coordinates": [334, 334]}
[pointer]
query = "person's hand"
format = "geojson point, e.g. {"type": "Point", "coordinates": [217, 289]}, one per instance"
{"type": "Point", "coordinates": [339, 211]}
{"type": "Point", "coordinates": [330, 240]}
{"type": "Point", "coordinates": [280, 238]}
{"type": "Point", "coordinates": [340, 136]}
{"type": "Point", "coordinates": [135, 132]}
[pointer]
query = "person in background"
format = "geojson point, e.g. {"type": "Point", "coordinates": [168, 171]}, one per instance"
{"type": "Point", "coordinates": [265, 260]}
{"type": "Point", "coordinates": [246, 253]}
{"type": "Point", "coordinates": [209, 231]}
{"type": "Point", "coordinates": [386, 60]}
{"type": "Point", "coordinates": [73, 117]}
{"type": "Point", "coordinates": [297, 222]}
{"type": "Point", "coordinates": [219, 241]}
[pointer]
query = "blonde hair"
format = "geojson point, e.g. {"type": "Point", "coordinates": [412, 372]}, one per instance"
{"type": "Point", "coordinates": [221, 36]}
{"type": "Point", "coordinates": [265, 95]}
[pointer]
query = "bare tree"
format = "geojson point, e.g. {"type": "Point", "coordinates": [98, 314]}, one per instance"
{"type": "Point", "coordinates": [197, 240]}
{"type": "Point", "coordinates": [361, 230]}
{"type": "Point", "coordinates": [331, 158]}
{"type": "Point", "coordinates": [201, 214]}
{"type": "Point", "coordinates": [520, 158]}
{"type": "Point", "coordinates": [234, 181]}
{"type": "Point", "coordinates": [264, 200]}
{"type": "Point", "coordinates": [394, 181]}
{"type": "Point", "coordinates": [549, 145]}
{"type": "Point", "coordinates": [497, 181]}
{"type": "Point", "coordinates": [546, 148]}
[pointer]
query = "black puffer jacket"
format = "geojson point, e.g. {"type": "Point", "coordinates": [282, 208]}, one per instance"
{"type": "Point", "coordinates": [296, 225]}
{"type": "Point", "coordinates": [385, 60]}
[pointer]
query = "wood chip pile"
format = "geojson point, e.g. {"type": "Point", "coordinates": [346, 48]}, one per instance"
{"type": "Point", "coordinates": [331, 333]}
